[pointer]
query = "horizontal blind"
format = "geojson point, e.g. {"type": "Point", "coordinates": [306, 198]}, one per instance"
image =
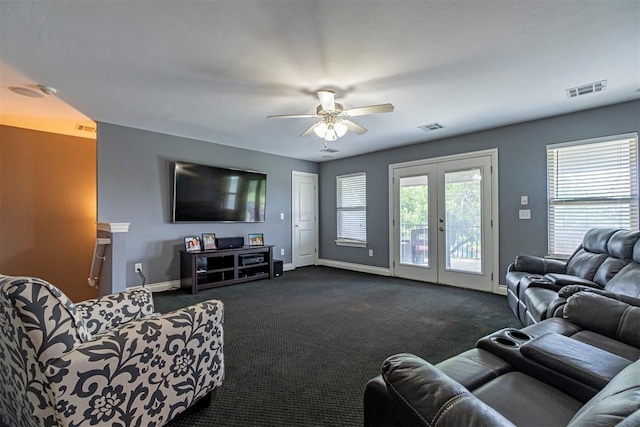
{"type": "Point", "coordinates": [352, 207]}
{"type": "Point", "coordinates": [590, 185]}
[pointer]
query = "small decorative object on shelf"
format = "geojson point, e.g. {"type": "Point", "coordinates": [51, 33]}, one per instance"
{"type": "Point", "coordinates": [256, 239]}
{"type": "Point", "coordinates": [192, 243]}
{"type": "Point", "coordinates": [209, 241]}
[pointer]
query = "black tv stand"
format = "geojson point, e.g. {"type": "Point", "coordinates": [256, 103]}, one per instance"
{"type": "Point", "coordinates": [209, 269]}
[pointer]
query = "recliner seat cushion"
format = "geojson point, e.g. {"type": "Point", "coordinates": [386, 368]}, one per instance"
{"type": "Point", "coordinates": [626, 282]}
{"type": "Point", "coordinates": [537, 301]}
{"type": "Point", "coordinates": [525, 401]}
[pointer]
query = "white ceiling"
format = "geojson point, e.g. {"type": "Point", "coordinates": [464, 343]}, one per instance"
{"type": "Point", "coordinates": [213, 70]}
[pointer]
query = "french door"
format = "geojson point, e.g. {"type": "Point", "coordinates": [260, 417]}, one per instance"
{"type": "Point", "coordinates": [442, 221]}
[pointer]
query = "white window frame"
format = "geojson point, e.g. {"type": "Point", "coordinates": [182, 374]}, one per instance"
{"type": "Point", "coordinates": [566, 182]}
{"type": "Point", "coordinates": [351, 240]}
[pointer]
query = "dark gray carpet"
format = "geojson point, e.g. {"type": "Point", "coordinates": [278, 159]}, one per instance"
{"type": "Point", "coordinates": [300, 348]}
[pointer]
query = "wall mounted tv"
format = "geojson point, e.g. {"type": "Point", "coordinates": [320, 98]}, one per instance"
{"type": "Point", "coordinates": [209, 193]}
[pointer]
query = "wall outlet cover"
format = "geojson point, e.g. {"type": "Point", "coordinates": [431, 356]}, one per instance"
{"type": "Point", "coordinates": [524, 200]}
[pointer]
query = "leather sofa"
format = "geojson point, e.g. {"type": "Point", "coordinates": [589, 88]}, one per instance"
{"type": "Point", "coordinates": [569, 371]}
{"type": "Point", "coordinates": [607, 260]}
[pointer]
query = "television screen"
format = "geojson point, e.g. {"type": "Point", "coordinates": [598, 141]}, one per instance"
{"type": "Point", "coordinates": [208, 193]}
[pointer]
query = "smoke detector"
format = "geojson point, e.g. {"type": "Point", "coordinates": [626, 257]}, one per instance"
{"type": "Point", "coordinates": [586, 89]}
{"type": "Point", "coordinates": [48, 90]}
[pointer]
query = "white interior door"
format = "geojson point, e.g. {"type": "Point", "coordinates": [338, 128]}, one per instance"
{"type": "Point", "coordinates": [442, 222]}
{"type": "Point", "coordinates": [305, 218]}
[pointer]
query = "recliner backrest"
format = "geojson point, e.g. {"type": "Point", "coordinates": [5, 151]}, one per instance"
{"type": "Point", "coordinates": [604, 252]}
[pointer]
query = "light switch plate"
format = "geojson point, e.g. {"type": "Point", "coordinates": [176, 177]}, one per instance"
{"type": "Point", "coordinates": [524, 214]}
{"type": "Point", "coordinates": [281, 215]}
{"type": "Point", "coordinates": [524, 200]}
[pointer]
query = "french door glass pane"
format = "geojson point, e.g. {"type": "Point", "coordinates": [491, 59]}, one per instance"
{"type": "Point", "coordinates": [414, 220]}
{"type": "Point", "coordinates": [463, 220]}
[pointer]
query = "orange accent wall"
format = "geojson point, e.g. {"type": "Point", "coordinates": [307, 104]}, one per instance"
{"type": "Point", "coordinates": [48, 208]}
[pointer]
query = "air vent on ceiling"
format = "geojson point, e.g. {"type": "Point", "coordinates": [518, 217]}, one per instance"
{"type": "Point", "coordinates": [432, 126]}
{"type": "Point", "coordinates": [586, 89]}
{"type": "Point", "coordinates": [329, 150]}
{"type": "Point", "coordinates": [86, 128]}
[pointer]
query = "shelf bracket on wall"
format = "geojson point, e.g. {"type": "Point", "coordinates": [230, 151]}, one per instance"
{"type": "Point", "coordinates": [99, 255]}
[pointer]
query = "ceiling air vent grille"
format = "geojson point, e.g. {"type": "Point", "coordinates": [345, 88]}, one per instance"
{"type": "Point", "coordinates": [431, 127]}
{"type": "Point", "coordinates": [329, 150]}
{"type": "Point", "coordinates": [86, 128]}
{"type": "Point", "coordinates": [586, 89]}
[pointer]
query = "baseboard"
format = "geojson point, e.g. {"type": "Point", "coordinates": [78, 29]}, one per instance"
{"type": "Point", "coordinates": [380, 271]}
{"type": "Point", "coordinates": [502, 289]}
{"type": "Point", "coordinates": [160, 286]}
{"type": "Point", "coordinates": [288, 267]}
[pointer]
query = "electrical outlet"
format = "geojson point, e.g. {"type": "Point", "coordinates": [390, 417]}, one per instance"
{"type": "Point", "coordinates": [524, 214]}
{"type": "Point", "coordinates": [282, 251]}
{"type": "Point", "coordinates": [137, 267]}
{"type": "Point", "coordinates": [370, 252]}
{"type": "Point", "coordinates": [281, 215]}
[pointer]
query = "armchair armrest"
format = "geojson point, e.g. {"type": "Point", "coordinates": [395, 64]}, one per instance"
{"type": "Point", "coordinates": [433, 398]}
{"type": "Point", "coordinates": [110, 311]}
{"type": "Point", "coordinates": [606, 316]}
{"type": "Point", "coordinates": [538, 265]}
{"type": "Point", "coordinates": [145, 371]}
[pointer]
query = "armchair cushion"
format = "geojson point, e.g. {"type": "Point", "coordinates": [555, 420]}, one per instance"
{"type": "Point", "coordinates": [109, 311]}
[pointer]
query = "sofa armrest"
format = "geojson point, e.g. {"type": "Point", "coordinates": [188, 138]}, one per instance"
{"type": "Point", "coordinates": [585, 363]}
{"type": "Point", "coordinates": [432, 398]}
{"type": "Point", "coordinates": [538, 265]}
{"type": "Point", "coordinates": [570, 290]}
{"type": "Point", "coordinates": [110, 311]}
{"type": "Point", "coordinates": [144, 372]}
{"type": "Point", "coordinates": [568, 279]}
{"type": "Point", "coordinates": [606, 316]}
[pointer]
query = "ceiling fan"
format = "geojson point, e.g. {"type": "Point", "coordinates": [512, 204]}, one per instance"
{"type": "Point", "coordinates": [335, 120]}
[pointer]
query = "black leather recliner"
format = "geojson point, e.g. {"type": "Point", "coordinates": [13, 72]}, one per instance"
{"type": "Point", "coordinates": [570, 371]}
{"type": "Point", "coordinates": [607, 260]}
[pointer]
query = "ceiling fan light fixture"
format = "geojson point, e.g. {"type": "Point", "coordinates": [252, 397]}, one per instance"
{"type": "Point", "coordinates": [341, 129]}
{"type": "Point", "coordinates": [331, 134]}
{"type": "Point", "coordinates": [320, 129]}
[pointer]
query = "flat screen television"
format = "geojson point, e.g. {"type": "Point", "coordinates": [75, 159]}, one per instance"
{"type": "Point", "coordinates": [209, 193]}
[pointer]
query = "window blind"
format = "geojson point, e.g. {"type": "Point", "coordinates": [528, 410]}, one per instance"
{"type": "Point", "coordinates": [590, 184]}
{"type": "Point", "coordinates": [352, 207]}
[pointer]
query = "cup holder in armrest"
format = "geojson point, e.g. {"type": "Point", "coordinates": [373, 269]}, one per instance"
{"type": "Point", "coordinates": [518, 335]}
{"type": "Point", "coordinates": [505, 342]}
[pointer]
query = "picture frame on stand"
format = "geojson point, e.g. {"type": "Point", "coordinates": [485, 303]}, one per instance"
{"type": "Point", "coordinates": [209, 241]}
{"type": "Point", "coordinates": [192, 243]}
{"type": "Point", "coordinates": [256, 239]}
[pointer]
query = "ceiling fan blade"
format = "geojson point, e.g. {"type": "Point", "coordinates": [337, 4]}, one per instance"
{"type": "Point", "coordinates": [309, 131]}
{"type": "Point", "coordinates": [327, 99]}
{"type": "Point", "coordinates": [354, 127]}
{"type": "Point", "coordinates": [292, 116]}
{"type": "Point", "coordinates": [371, 109]}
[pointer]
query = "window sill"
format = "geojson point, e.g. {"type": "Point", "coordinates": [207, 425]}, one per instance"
{"type": "Point", "coordinates": [351, 243]}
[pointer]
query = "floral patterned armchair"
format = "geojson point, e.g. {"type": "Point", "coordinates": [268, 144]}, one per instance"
{"type": "Point", "coordinates": [106, 361]}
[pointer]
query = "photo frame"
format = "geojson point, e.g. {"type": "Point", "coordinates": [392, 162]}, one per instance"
{"type": "Point", "coordinates": [209, 241]}
{"type": "Point", "coordinates": [192, 243]}
{"type": "Point", "coordinates": [256, 239]}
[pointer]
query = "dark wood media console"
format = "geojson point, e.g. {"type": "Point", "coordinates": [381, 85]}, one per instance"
{"type": "Point", "coordinates": [209, 269]}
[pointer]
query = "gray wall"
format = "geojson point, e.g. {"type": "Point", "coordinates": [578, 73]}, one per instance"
{"type": "Point", "coordinates": [135, 185]}
{"type": "Point", "coordinates": [522, 171]}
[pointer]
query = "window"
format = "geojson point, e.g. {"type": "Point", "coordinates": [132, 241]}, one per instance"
{"type": "Point", "coordinates": [591, 183]}
{"type": "Point", "coordinates": [352, 209]}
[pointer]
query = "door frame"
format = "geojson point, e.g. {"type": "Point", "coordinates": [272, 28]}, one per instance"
{"type": "Point", "coordinates": [294, 249]}
{"type": "Point", "coordinates": [494, 250]}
